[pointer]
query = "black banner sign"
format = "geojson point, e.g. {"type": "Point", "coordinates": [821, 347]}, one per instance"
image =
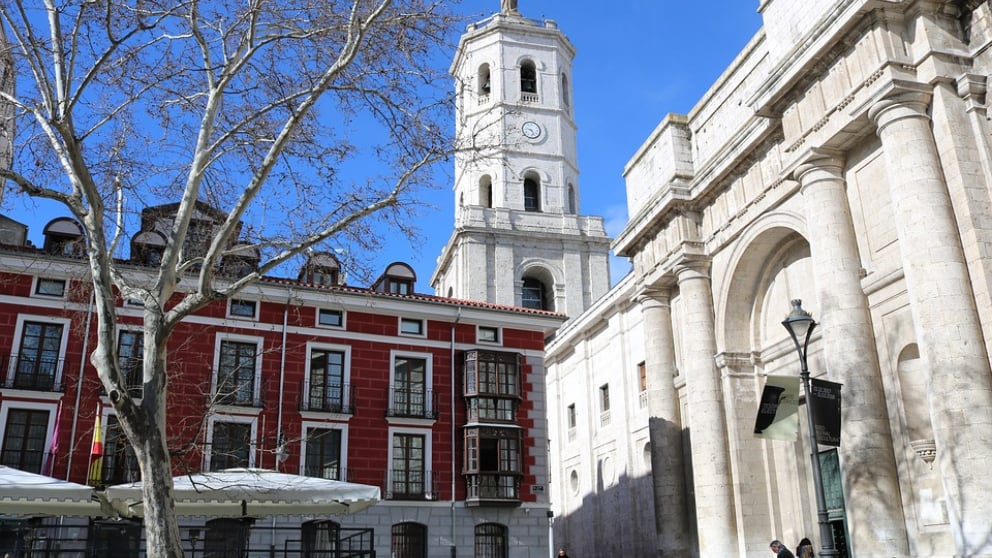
{"type": "Point", "coordinates": [826, 411]}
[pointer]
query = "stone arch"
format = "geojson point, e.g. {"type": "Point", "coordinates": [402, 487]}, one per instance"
{"type": "Point", "coordinates": [534, 273]}
{"type": "Point", "coordinates": [762, 268]}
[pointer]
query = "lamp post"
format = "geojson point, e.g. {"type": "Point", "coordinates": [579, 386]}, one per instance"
{"type": "Point", "coordinates": [800, 325]}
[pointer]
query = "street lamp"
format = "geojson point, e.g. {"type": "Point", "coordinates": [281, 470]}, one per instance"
{"type": "Point", "coordinates": [800, 325]}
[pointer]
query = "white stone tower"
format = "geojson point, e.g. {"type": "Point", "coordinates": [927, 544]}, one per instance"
{"type": "Point", "coordinates": [519, 239]}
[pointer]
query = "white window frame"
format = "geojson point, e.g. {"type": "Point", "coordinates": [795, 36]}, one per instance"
{"type": "Point", "coordinates": [259, 346]}
{"type": "Point", "coordinates": [241, 419]}
{"type": "Point", "coordinates": [255, 308]}
{"type": "Point", "coordinates": [36, 283]}
{"type": "Point", "coordinates": [307, 425]}
{"type": "Point", "coordinates": [423, 326]}
{"type": "Point", "coordinates": [429, 487]}
{"type": "Point", "coordinates": [496, 329]}
{"type": "Point", "coordinates": [343, 318]}
{"type": "Point", "coordinates": [52, 408]}
{"type": "Point", "coordinates": [345, 376]}
{"type": "Point", "coordinates": [16, 344]}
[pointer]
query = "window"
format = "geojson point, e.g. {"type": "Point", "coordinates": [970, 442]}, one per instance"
{"type": "Point", "coordinates": [327, 389]}
{"type": "Point", "coordinates": [411, 396]}
{"type": "Point", "coordinates": [24, 437]}
{"type": "Point", "coordinates": [409, 540]}
{"type": "Point", "coordinates": [49, 287]}
{"type": "Point", "coordinates": [528, 77]}
{"type": "Point", "coordinates": [236, 373]}
{"type": "Point", "coordinates": [230, 445]}
{"type": "Point", "coordinates": [533, 294]}
{"type": "Point", "coordinates": [642, 376]}
{"type": "Point", "coordinates": [120, 465]}
{"type": "Point", "coordinates": [197, 239]}
{"type": "Point", "coordinates": [492, 373]}
{"type": "Point", "coordinates": [130, 359]}
{"type": "Point", "coordinates": [493, 463]}
{"type": "Point", "coordinates": [486, 191]}
{"type": "Point", "coordinates": [410, 326]}
{"type": "Point", "coordinates": [241, 308]}
{"type": "Point", "coordinates": [571, 199]}
{"type": "Point", "coordinates": [39, 356]}
{"type": "Point", "coordinates": [486, 334]}
{"type": "Point", "coordinates": [321, 538]}
{"type": "Point", "coordinates": [490, 541]}
{"type": "Point", "coordinates": [485, 80]}
{"type": "Point", "coordinates": [564, 90]}
{"type": "Point", "coordinates": [330, 318]}
{"type": "Point", "coordinates": [532, 194]}
{"type": "Point", "coordinates": [323, 457]}
{"type": "Point", "coordinates": [604, 398]}
{"type": "Point", "coordinates": [570, 415]}
{"type": "Point", "coordinates": [408, 468]}
{"type": "Point", "coordinates": [398, 286]}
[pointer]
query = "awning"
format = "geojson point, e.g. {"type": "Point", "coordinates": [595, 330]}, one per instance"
{"type": "Point", "coordinates": [252, 493]}
{"type": "Point", "coordinates": [29, 495]}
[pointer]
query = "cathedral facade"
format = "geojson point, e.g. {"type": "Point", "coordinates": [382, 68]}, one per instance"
{"type": "Point", "coordinates": [842, 159]}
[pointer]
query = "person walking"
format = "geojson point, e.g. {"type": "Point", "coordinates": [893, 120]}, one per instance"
{"type": "Point", "coordinates": [779, 549]}
{"type": "Point", "coordinates": [804, 549]}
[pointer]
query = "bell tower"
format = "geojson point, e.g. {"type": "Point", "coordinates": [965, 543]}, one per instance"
{"type": "Point", "coordinates": [519, 238]}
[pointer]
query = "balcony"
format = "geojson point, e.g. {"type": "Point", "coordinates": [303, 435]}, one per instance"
{"type": "Point", "coordinates": [237, 395]}
{"type": "Point", "coordinates": [419, 404]}
{"type": "Point", "coordinates": [32, 372]}
{"type": "Point", "coordinates": [332, 398]}
{"type": "Point", "coordinates": [492, 489]}
{"type": "Point", "coordinates": [402, 484]}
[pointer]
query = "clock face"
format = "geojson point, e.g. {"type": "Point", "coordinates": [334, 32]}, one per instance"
{"type": "Point", "coordinates": [531, 129]}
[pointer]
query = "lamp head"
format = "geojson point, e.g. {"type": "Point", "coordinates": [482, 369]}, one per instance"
{"type": "Point", "coordinates": [800, 324]}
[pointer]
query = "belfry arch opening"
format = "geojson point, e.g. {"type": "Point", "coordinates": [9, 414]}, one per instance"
{"type": "Point", "coordinates": [486, 191]}
{"type": "Point", "coordinates": [532, 192]}
{"type": "Point", "coordinates": [528, 77]}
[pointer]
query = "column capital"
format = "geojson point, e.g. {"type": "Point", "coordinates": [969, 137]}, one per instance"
{"type": "Point", "coordinates": [688, 269]}
{"type": "Point", "coordinates": [901, 105]}
{"type": "Point", "coordinates": [819, 164]}
{"type": "Point", "coordinates": [654, 297]}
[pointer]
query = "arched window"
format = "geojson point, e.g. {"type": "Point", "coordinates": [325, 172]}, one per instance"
{"type": "Point", "coordinates": [409, 540]}
{"type": "Point", "coordinates": [534, 294]}
{"type": "Point", "coordinates": [571, 199]}
{"type": "Point", "coordinates": [564, 90]}
{"type": "Point", "coordinates": [528, 77]}
{"type": "Point", "coordinates": [532, 193]}
{"type": "Point", "coordinates": [486, 191]}
{"type": "Point", "coordinates": [485, 80]}
{"type": "Point", "coordinates": [490, 540]}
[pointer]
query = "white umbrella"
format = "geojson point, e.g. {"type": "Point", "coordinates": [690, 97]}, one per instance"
{"type": "Point", "coordinates": [27, 494]}
{"type": "Point", "coordinates": [253, 493]}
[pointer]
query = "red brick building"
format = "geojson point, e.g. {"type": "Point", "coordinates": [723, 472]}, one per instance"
{"type": "Point", "coordinates": [440, 402]}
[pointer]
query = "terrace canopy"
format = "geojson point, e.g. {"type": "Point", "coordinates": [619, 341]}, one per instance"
{"type": "Point", "coordinates": [26, 494]}
{"type": "Point", "coordinates": [251, 493]}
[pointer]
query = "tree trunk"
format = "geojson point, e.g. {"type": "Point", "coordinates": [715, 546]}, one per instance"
{"type": "Point", "coordinates": [162, 538]}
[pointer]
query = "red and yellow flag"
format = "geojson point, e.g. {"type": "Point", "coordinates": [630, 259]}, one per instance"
{"type": "Point", "coordinates": [96, 453]}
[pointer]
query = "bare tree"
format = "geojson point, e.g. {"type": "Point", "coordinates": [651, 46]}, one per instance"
{"type": "Point", "coordinates": [243, 104]}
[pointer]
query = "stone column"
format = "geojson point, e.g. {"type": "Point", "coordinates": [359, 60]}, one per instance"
{"type": "Point", "coordinates": [667, 468]}
{"type": "Point", "coordinates": [959, 383]}
{"type": "Point", "coordinates": [714, 500]}
{"type": "Point", "coordinates": [871, 482]}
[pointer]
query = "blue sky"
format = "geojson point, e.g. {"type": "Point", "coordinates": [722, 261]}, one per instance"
{"type": "Point", "coordinates": [637, 61]}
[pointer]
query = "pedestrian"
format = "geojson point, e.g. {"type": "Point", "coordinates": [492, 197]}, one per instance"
{"type": "Point", "coordinates": [562, 553]}
{"type": "Point", "coordinates": [804, 549]}
{"type": "Point", "coordinates": [779, 549]}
